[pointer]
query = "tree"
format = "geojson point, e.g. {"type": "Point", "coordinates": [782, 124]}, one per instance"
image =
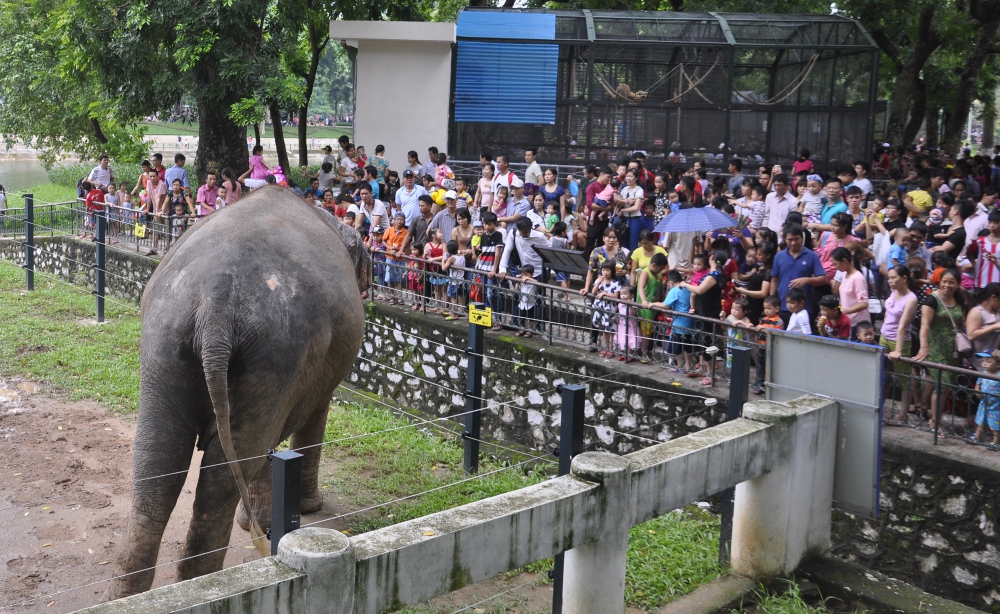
{"type": "Point", "coordinates": [987, 15]}
{"type": "Point", "coordinates": [51, 98]}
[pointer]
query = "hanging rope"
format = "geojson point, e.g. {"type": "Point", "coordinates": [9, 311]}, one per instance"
{"type": "Point", "coordinates": [624, 93]}
{"type": "Point", "coordinates": [792, 87]}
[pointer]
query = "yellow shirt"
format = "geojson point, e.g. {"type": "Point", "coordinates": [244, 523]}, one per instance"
{"type": "Point", "coordinates": [922, 201]}
{"type": "Point", "coordinates": [640, 257]}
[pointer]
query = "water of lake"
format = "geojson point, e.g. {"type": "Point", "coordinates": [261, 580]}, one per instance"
{"type": "Point", "coordinates": [21, 174]}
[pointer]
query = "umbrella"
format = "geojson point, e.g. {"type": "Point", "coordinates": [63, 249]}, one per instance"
{"type": "Point", "coordinates": [700, 219]}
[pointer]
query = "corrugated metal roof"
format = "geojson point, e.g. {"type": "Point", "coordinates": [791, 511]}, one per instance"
{"type": "Point", "coordinates": [495, 24]}
{"type": "Point", "coordinates": [506, 83]}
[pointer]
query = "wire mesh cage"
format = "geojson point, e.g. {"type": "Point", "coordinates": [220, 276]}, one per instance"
{"type": "Point", "coordinates": [690, 84]}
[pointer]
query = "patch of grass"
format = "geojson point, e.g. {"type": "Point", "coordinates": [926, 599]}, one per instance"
{"type": "Point", "coordinates": [44, 193]}
{"type": "Point", "coordinates": [668, 556]}
{"type": "Point", "coordinates": [786, 598]}
{"type": "Point", "coordinates": [291, 132]}
{"type": "Point", "coordinates": [45, 337]}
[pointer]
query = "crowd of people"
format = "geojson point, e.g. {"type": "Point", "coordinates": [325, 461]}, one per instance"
{"type": "Point", "coordinates": [910, 264]}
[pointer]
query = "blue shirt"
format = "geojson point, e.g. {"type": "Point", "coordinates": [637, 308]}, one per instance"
{"type": "Point", "coordinates": [898, 253]}
{"type": "Point", "coordinates": [787, 267]}
{"type": "Point", "coordinates": [175, 172]}
{"type": "Point", "coordinates": [679, 299]}
{"type": "Point", "coordinates": [830, 210]}
{"type": "Point", "coordinates": [375, 190]}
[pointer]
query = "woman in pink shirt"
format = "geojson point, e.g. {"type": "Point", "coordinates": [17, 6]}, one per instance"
{"type": "Point", "coordinates": [232, 185]}
{"type": "Point", "coordinates": [258, 170]}
{"type": "Point", "coordinates": [853, 288]}
{"type": "Point", "coordinates": [803, 164]}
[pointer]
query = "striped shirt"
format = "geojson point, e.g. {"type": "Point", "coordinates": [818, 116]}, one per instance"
{"type": "Point", "coordinates": [987, 269]}
{"type": "Point", "coordinates": [488, 250]}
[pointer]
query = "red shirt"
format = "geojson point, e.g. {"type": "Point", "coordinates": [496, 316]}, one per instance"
{"type": "Point", "coordinates": [593, 189]}
{"type": "Point", "coordinates": [840, 329]}
{"type": "Point", "coordinates": [95, 200]}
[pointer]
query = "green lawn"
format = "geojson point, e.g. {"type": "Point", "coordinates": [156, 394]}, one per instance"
{"type": "Point", "coordinates": [43, 193]}
{"type": "Point", "coordinates": [291, 132]}
{"type": "Point", "coordinates": [47, 337]}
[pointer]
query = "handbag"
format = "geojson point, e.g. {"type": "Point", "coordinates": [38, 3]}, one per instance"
{"type": "Point", "coordinates": [963, 347]}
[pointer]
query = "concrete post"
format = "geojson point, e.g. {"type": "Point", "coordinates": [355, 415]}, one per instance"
{"type": "Point", "coordinates": [327, 558]}
{"type": "Point", "coordinates": [783, 516]}
{"type": "Point", "coordinates": [594, 576]}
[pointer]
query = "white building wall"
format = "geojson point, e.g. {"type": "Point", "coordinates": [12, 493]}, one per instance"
{"type": "Point", "coordinates": [402, 97]}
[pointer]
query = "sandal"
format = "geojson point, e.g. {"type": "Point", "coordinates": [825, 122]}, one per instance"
{"type": "Point", "coordinates": [706, 382]}
{"type": "Point", "coordinates": [518, 334]}
{"type": "Point", "coordinates": [497, 328]}
{"type": "Point", "coordinates": [526, 335]}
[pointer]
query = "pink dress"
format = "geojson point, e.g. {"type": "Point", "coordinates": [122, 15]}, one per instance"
{"type": "Point", "coordinates": [259, 169]}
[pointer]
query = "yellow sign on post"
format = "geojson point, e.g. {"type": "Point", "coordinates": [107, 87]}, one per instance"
{"type": "Point", "coordinates": [482, 317]}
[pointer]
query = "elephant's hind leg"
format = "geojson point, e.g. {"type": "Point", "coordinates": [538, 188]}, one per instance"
{"type": "Point", "coordinates": [308, 437]}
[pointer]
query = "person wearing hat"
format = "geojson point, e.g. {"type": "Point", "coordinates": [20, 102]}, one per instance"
{"type": "Point", "coordinates": [445, 218]}
{"type": "Point", "coordinates": [519, 207]}
{"type": "Point", "coordinates": [408, 196]}
{"type": "Point", "coordinates": [989, 403]}
{"type": "Point", "coordinates": [832, 322]}
{"type": "Point", "coordinates": [329, 157]}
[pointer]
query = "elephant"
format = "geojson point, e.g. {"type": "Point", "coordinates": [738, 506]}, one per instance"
{"type": "Point", "coordinates": [249, 323]}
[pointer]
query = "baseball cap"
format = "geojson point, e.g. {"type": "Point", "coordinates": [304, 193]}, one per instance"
{"type": "Point", "coordinates": [451, 194]}
{"type": "Point", "coordinates": [829, 301]}
{"type": "Point", "coordinates": [516, 182]}
{"type": "Point", "coordinates": [935, 216]}
{"type": "Point", "coordinates": [377, 230]}
{"type": "Point", "coordinates": [989, 354]}
{"type": "Point", "coordinates": [327, 148]}
{"type": "Point", "coordinates": [477, 224]}
{"type": "Point", "coordinates": [408, 174]}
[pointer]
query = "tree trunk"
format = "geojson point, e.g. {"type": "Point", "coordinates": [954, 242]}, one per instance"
{"type": "Point", "coordinates": [989, 15]}
{"type": "Point", "coordinates": [933, 127]}
{"type": "Point", "coordinates": [279, 139]}
{"type": "Point", "coordinates": [221, 143]}
{"type": "Point", "coordinates": [989, 128]}
{"type": "Point", "coordinates": [927, 41]}
{"type": "Point", "coordinates": [916, 115]}
{"type": "Point", "coordinates": [256, 134]}
{"type": "Point", "coordinates": [317, 45]}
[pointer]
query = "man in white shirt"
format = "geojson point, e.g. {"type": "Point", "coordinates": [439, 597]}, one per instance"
{"type": "Point", "coordinates": [978, 220]}
{"type": "Point", "coordinates": [348, 164]}
{"type": "Point", "coordinates": [102, 174]}
{"type": "Point", "coordinates": [504, 175]}
{"type": "Point", "coordinates": [525, 240]}
{"type": "Point", "coordinates": [861, 168]}
{"type": "Point", "coordinates": [533, 174]}
{"type": "Point", "coordinates": [408, 197]}
{"type": "Point", "coordinates": [778, 204]}
{"type": "Point", "coordinates": [370, 209]}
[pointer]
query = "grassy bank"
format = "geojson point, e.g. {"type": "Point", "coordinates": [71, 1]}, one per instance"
{"type": "Point", "coordinates": [43, 193]}
{"type": "Point", "coordinates": [47, 337]}
{"type": "Point", "coordinates": [291, 132]}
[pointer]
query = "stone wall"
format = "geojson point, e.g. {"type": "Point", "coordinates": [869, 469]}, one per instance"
{"type": "Point", "coordinates": [411, 359]}
{"type": "Point", "coordinates": [72, 259]}
{"type": "Point", "coordinates": [938, 524]}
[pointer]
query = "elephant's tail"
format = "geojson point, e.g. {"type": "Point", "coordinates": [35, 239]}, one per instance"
{"type": "Point", "coordinates": [217, 378]}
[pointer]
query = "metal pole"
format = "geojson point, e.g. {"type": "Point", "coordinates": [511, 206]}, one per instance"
{"type": "Point", "coordinates": [473, 395]}
{"type": "Point", "coordinates": [29, 239]}
{"type": "Point", "coordinates": [102, 262]}
{"type": "Point", "coordinates": [937, 405]}
{"type": "Point", "coordinates": [286, 495]}
{"type": "Point", "coordinates": [570, 445]}
{"type": "Point", "coordinates": [739, 392]}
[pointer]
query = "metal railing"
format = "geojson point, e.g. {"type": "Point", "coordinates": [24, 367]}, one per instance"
{"type": "Point", "coordinates": [557, 314]}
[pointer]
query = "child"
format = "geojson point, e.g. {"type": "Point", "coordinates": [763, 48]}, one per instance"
{"type": "Point", "coordinates": [897, 253]}
{"type": "Point", "coordinates": [651, 281]}
{"type": "Point", "coordinates": [415, 275]}
{"type": "Point", "coordinates": [601, 200]}
{"type": "Point", "coordinates": [628, 336]}
{"type": "Point", "coordinates": [699, 265]}
{"type": "Point", "coordinates": [450, 264]}
{"type": "Point", "coordinates": [757, 206]}
{"type": "Point", "coordinates": [527, 291]}
{"type": "Point", "coordinates": [462, 197]}
{"type": "Point", "coordinates": [832, 322]}
{"type": "Point", "coordinates": [94, 204]}
{"type": "Point", "coordinates": [941, 263]}
{"type": "Point", "coordinates": [499, 206]}
{"type": "Point", "coordinates": [864, 332]}
{"type": "Point", "coordinates": [749, 266]}
{"type": "Point", "coordinates": [128, 217]}
{"type": "Point", "coordinates": [114, 214]}
{"type": "Point", "coordinates": [258, 170]}
{"type": "Point", "coordinates": [770, 320]}
{"type": "Point", "coordinates": [349, 217]}
{"type": "Point", "coordinates": [391, 187]}
{"type": "Point", "coordinates": [220, 201]}
{"type": "Point", "coordinates": [795, 301]}
{"type": "Point", "coordinates": [395, 237]}
{"type": "Point", "coordinates": [812, 200]}
{"type": "Point", "coordinates": [738, 325]}
{"type": "Point", "coordinates": [551, 215]}
{"type": "Point", "coordinates": [434, 252]}
{"type": "Point", "coordinates": [377, 246]}
{"type": "Point", "coordinates": [648, 219]}
{"type": "Point", "coordinates": [605, 286]}
{"type": "Point", "coordinates": [989, 404]}
{"type": "Point", "coordinates": [681, 335]}
{"type": "Point", "coordinates": [574, 190]}
{"type": "Point", "coordinates": [178, 223]}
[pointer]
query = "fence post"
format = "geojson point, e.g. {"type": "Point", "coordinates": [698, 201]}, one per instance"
{"type": "Point", "coordinates": [102, 262]}
{"type": "Point", "coordinates": [29, 239]}
{"type": "Point", "coordinates": [739, 392]}
{"type": "Point", "coordinates": [286, 495]}
{"type": "Point", "coordinates": [570, 445]}
{"type": "Point", "coordinates": [473, 393]}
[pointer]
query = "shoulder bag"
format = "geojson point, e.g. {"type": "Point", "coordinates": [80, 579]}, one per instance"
{"type": "Point", "coordinates": [963, 347]}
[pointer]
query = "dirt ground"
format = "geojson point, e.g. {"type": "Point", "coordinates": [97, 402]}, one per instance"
{"type": "Point", "coordinates": [64, 504]}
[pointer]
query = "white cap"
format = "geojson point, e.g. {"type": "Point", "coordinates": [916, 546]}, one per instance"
{"type": "Point", "coordinates": [452, 194]}
{"type": "Point", "coordinates": [516, 182]}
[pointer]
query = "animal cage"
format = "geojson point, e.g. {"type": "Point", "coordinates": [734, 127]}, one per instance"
{"type": "Point", "coordinates": [585, 86]}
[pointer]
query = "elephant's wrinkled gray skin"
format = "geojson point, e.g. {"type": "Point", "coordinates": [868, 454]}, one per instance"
{"type": "Point", "coordinates": [258, 309]}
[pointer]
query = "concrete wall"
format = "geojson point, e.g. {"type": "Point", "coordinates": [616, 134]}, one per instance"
{"type": "Point", "coordinates": [938, 529]}
{"type": "Point", "coordinates": [416, 370]}
{"type": "Point", "coordinates": [587, 514]}
{"type": "Point", "coordinates": [402, 94]}
{"type": "Point", "coordinates": [71, 260]}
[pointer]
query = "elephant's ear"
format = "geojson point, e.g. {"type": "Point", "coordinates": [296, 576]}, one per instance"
{"type": "Point", "coordinates": [359, 255]}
